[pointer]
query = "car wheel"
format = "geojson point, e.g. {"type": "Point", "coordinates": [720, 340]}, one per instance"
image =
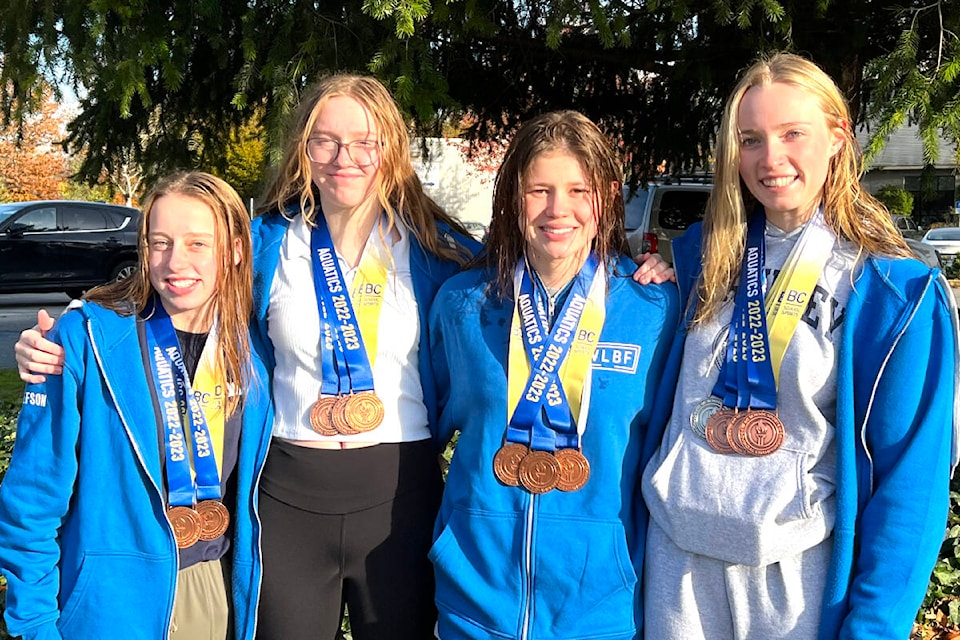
{"type": "Point", "coordinates": [123, 270]}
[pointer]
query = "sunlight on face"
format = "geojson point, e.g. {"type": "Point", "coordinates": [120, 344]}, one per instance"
{"type": "Point", "coordinates": [785, 149]}
{"type": "Point", "coordinates": [182, 259]}
{"type": "Point", "coordinates": [559, 221]}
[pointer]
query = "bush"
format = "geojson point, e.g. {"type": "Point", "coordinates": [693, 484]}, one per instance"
{"type": "Point", "coordinates": [11, 393]}
{"type": "Point", "coordinates": [898, 201]}
{"type": "Point", "coordinates": [940, 613]}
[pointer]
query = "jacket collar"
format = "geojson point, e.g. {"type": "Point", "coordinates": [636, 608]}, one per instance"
{"type": "Point", "coordinates": [118, 353]}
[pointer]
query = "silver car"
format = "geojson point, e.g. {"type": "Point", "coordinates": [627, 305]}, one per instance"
{"type": "Point", "coordinates": [946, 240]}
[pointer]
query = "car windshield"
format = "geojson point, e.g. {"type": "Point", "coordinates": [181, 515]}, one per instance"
{"type": "Point", "coordinates": [634, 204]}
{"type": "Point", "coordinates": [7, 210]}
{"type": "Point", "coordinates": [944, 233]}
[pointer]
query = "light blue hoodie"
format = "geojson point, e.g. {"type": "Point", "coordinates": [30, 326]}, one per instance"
{"type": "Point", "coordinates": [895, 439]}
{"type": "Point", "coordinates": [84, 541]}
{"type": "Point", "coordinates": [562, 566]}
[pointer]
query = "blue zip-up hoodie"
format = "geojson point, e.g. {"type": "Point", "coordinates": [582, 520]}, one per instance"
{"type": "Point", "coordinates": [428, 272]}
{"type": "Point", "coordinates": [896, 404]}
{"type": "Point", "coordinates": [84, 541]}
{"type": "Point", "coordinates": [562, 566]}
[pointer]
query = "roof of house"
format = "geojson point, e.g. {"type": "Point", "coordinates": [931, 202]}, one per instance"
{"type": "Point", "coordinates": [903, 150]}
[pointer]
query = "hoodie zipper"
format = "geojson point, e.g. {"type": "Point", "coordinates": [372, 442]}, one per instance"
{"type": "Point", "coordinates": [528, 567]}
{"type": "Point", "coordinates": [256, 515]}
{"type": "Point", "coordinates": [136, 449]}
{"type": "Point", "coordinates": [876, 383]}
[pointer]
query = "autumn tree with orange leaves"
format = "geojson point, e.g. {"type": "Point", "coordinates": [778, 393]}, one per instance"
{"type": "Point", "coordinates": [33, 165]}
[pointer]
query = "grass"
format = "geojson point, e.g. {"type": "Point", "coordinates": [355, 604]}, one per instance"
{"type": "Point", "coordinates": [11, 393]}
{"type": "Point", "coordinates": [11, 389]}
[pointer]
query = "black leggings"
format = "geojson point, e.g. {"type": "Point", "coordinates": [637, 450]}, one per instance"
{"type": "Point", "coordinates": [350, 527]}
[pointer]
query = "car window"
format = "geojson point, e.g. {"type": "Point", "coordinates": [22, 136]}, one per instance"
{"type": "Point", "coordinates": [7, 210]}
{"type": "Point", "coordinates": [905, 224]}
{"type": "Point", "coordinates": [116, 217]}
{"type": "Point", "coordinates": [634, 203]}
{"type": "Point", "coordinates": [944, 233]}
{"type": "Point", "coordinates": [83, 219]}
{"type": "Point", "coordinates": [680, 209]}
{"type": "Point", "coordinates": [44, 219]}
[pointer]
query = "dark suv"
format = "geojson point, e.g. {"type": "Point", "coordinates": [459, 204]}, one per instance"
{"type": "Point", "coordinates": [60, 245]}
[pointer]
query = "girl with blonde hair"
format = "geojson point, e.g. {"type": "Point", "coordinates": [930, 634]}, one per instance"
{"type": "Point", "coordinates": [818, 376]}
{"type": "Point", "coordinates": [115, 512]}
{"type": "Point", "coordinates": [348, 257]}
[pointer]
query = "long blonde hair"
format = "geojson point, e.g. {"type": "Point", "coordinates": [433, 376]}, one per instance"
{"type": "Point", "coordinates": [851, 212]}
{"type": "Point", "coordinates": [570, 132]}
{"type": "Point", "coordinates": [233, 299]}
{"type": "Point", "coordinates": [399, 190]}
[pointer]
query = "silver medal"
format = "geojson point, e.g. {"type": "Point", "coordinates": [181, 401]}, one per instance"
{"type": "Point", "coordinates": [702, 412]}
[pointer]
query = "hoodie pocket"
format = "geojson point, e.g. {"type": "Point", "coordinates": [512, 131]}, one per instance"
{"type": "Point", "coordinates": [740, 509]}
{"type": "Point", "coordinates": [114, 592]}
{"type": "Point", "coordinates": [584, 584]}
{"type": "Point", "coordinates": [477, 563]}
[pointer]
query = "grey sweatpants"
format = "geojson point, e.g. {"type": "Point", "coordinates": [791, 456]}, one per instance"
{"type": "Point", "coordinates": [688, 596]}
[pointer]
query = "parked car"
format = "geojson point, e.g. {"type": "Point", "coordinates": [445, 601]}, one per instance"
{"type": "Point", "coordinates": [477, 229]}
{"type": "Point", "coordinates": [907, 226]}
{"type": "Point", "coordinates": [657, 214]}
{"type": "Point", "coordinates": [62, 245]}
{"type": "Point", "coordinates": [946, 240]}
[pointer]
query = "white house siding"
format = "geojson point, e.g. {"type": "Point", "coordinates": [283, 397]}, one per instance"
{"type": "Point", "coordinates": [900, 163]}
{"type": "Point", "coordinates": [462, 188]}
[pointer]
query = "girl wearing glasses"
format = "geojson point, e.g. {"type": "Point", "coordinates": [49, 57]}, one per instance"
{"type": "Point", "coordinates": [348, 258]}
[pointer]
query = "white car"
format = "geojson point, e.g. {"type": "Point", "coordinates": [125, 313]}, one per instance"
{"type": "Point", "coordinates": [946, 240]}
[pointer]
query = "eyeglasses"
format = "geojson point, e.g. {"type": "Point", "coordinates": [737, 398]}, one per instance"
{"type": "Point", "coordinates": [363, 153]}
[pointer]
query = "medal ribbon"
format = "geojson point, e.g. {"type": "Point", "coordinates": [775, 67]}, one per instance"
{"type": "Point", "coordinates": [210, 393]}
{"type": "Point", "coordinates": [746, 379]}
{"type": "Point", "coordinates": [172, 384]}
{"type": "Point", "coordinates": [758, 341]}
{"type": "Point", "coordinates": [787, 299]}
{"type": "Point", "coordinates": [350, 320]}
{"type": "Point", "coordinates": [564, 355]}
{"type": "Point", "coordinates": [754, 367]}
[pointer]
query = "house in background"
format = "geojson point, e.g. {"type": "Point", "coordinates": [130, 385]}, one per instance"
{"type": "Point", "coordinates": [463, 186]}
{"type": "Point", "coordinates": [934, 188]}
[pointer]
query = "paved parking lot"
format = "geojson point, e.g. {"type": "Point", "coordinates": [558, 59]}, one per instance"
{"type": "Point", "coordinates": [19, 312]}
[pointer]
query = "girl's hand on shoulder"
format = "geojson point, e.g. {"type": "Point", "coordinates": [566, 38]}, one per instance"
{"type": "Point", "coordinates": [35, 354]}
{"type": "Point", "coordinates": [653, 269]}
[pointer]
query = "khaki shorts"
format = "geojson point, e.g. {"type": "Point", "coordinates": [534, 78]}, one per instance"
{"type": "Point", "coordinates": [200, 610]}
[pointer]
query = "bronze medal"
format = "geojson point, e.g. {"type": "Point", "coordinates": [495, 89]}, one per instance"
{"type": "Point", "coordinates": [702, 412]}
{"type": "Point", "coordinates": [731, 433]}
{"type": "Point", "coordinates": [338, 416]}
{"type": "Point", "coordinates": [320, 416]}
{"type": "Point", "coordinates": [364, 411]}
{"type": "Point", "coordinates": [506, 463]}
{"type": "Point", "coordinates": [716, 430]}
{"type": "Point", "coordinates": [186, 526]}
{"type": "Point", "coordinates": [539, 472]}
{"type": "Point", "coordinates": [574, 469]}
{"type": "Point", "coordinates": [759, 433]}
{"type": "Point", "coordinates": [214, 519]}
